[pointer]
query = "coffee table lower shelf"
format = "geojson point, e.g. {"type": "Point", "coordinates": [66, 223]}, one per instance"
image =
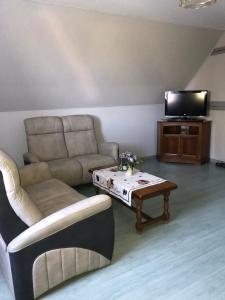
{"type": "Point", "coordinates": [142, 219]}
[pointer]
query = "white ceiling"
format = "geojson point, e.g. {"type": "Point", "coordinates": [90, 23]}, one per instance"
{"type": "Point", "coordinates": [158, 10]}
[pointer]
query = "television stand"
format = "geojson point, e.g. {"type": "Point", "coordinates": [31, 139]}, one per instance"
{"type": "Point", "coordinates": [186, 119]}
{"type": "Point", "coordinates": [185, 141]}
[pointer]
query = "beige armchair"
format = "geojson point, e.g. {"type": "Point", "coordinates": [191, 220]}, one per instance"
{"type": "Point", "coordinates": [69, 146]}
{"type": "Point", "coordinates": [48, 231]}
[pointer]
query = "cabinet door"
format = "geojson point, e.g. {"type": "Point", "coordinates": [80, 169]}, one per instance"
{"type": "Point", "coordinates": [170, 145]}
{"type": "Point", "coordinates": [190, 147]}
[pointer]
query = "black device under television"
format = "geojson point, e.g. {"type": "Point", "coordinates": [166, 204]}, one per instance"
{"type": "Point", "coordinates": [186, 104]}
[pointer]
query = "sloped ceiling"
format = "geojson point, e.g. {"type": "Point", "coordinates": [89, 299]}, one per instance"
{"type": "Point", "coordinates": [59, 57]}
{"type": "Point", "coordinates": [158, 10]}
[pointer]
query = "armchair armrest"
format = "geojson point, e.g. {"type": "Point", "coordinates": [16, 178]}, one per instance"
{"type": "Point", "coordinates": [34, 173]}
{"type": "Point", "coordinates": [59, 221]}
{"type": "Point", "coordinates": [110, 149]}
{"type": "Point", "coordinates": [30, 158]}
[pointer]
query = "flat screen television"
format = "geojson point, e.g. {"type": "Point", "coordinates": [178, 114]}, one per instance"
{"type": "Point", "coordinates": [186, 103]}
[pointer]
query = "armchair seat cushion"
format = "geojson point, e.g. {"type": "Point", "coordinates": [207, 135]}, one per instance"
{"type": "Point", "coordinates": [52, 195]}
{"type": "Point", "coordinates": [93, 161]}
{"type": "Point", "coordinates": [68, 170]}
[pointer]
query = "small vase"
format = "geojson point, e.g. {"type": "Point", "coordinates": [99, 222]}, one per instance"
{"type": "Point", "coordinates": [129, 171]}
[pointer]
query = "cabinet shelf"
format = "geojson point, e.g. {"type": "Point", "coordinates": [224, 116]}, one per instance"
{"type": "Point", "coordinates": [183, 142]}
{"type": "Point", "coordinates": [189, 135]}
{"type": "Point", "coordinates": [181, 134]}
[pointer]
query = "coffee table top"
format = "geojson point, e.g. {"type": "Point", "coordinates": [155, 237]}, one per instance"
{"type": "Point", "coordinates": [155, 190]}
{"type": "Point", "coordinates": [147, 192]}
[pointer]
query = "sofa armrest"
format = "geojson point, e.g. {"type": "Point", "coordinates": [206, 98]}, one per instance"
{"type": "Point", "coordinates": [34, 173]}
{"type": "Point", "coordinates": [59, 221]}
{"type": "Point", "coordinates": [30, 158]}
{"type": "Point", "coordinates": [109, 149]}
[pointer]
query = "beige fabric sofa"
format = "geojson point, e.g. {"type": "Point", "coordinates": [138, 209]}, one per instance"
{"type": "Point", "coordinates": [69, 146]}
{"type": "Point", "coordinates": [48, 231]}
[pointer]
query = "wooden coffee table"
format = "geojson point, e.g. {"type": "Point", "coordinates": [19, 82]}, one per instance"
{"type": "Point", "coordinates": [140, 195]}
{"type": "Point", "coordinates": [142, 219]}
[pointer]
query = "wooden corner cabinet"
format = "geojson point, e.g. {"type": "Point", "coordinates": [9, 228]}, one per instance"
{"type": "Point", "coordinates": [184, 141]}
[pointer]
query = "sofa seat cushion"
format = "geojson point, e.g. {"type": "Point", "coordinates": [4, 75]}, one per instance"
{"type": "Point", "coordinates": [93, 161]}
{"type": "Point", "coordinates": [52, 195]}
{"type": "Point", "coordinates": [68, 170]}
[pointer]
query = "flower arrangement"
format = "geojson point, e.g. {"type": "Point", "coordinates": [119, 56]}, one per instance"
{"type": "Point", "coordinates": [128, 160]}
{"type": "Point", "coordinates": [131, 159]}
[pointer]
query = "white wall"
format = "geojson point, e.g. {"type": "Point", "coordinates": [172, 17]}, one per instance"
{"type": "Point", "coordinates": [133, 127]}
{"type": "Point", "coordinates": [211, 76]}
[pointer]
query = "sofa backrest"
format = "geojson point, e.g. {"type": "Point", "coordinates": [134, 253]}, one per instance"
{"type": "Point", "coordinates": [45, 138]}
{"type": "Point", "coordinates": [19, 200]}
{"type": "Point", "coordinates": [79, 135]}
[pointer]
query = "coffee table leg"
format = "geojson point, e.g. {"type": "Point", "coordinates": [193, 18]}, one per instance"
{"type": "Point", "coordinates": [166, 214]}
{"type": "Point", "coordinates": [97, 190]}
{"type": "Point", "coordinates": [139, 225]}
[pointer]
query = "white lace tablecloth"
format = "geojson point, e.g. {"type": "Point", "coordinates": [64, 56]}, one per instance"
{"type": "Point", "coordinates": [121, 186]}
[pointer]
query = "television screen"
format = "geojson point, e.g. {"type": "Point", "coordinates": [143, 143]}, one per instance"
{"type": "Point", "coordinates": [186, 103]}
